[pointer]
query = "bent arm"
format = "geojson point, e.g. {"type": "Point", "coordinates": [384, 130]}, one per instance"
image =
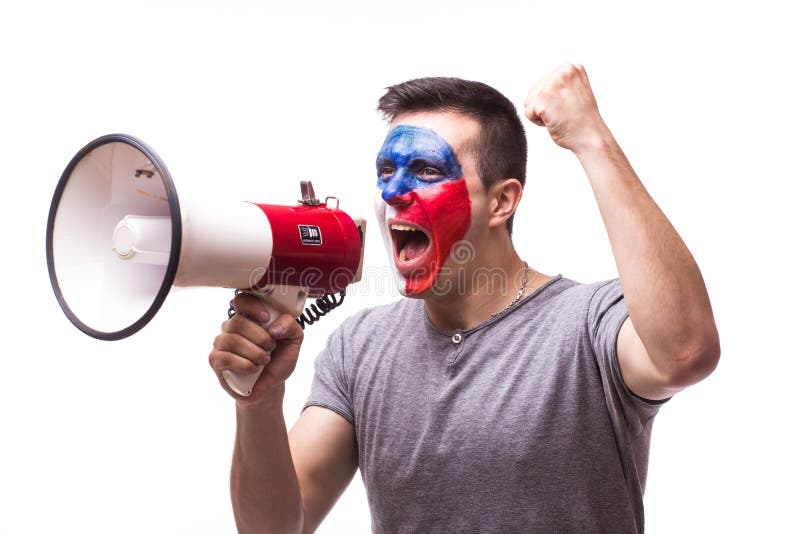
{"type": "Point", "coordinates": [287, 482]}
{"type": "Point", "coordinates": [670, 340]}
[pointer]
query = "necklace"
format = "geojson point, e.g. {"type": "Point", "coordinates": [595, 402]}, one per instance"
{"type": "Point", "coordinates": [520, 292]}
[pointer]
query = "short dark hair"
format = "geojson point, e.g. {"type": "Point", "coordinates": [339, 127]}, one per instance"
{"type": "Point", "coordinates": [501, 149]}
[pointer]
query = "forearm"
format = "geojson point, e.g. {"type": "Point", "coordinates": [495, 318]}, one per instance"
{"type": "Point", "coordinates": [664, 290]}
{"type": "Point", "coordinates": [264, 486]}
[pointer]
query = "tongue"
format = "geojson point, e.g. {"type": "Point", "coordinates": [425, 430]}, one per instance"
{"type": "Point", "coordinates": [416, 245]}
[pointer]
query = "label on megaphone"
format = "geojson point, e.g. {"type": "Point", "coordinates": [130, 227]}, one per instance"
{"type": "Point", "coordinates": [315, 247]}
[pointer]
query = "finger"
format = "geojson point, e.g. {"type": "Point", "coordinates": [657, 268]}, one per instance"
{"type": "Point", "coordinates": [533, 115]}
{"type": "Point", "coordinates": [249, 330]}
{"type": "Point", "coordinates": [585, 78]}
{"type": "Point", "coordinates": [285, 328]}
{"type": "Point", "coordinates": [535, 119]}
{"type": "Point", "coordinates": [533, 92]}
{"type": "Point", "coordinates": [241, 346]}
{"type": "Point", "coordinates": [220, 360]}
{"type": "Point", "coordinates": [250, 306]}
{"type": "Point", "coordinates": [565, 70]}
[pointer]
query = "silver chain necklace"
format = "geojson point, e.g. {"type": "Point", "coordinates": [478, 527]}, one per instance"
{"type": "Point", "coordinates": [519, 293]}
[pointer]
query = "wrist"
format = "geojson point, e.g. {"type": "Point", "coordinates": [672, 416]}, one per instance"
{"type": "Point", "coordinates": [601, 145]}
{"type": "Point", "coordinates": [270, 401]}
{"type": "Point", "coordinates": [596, 142]}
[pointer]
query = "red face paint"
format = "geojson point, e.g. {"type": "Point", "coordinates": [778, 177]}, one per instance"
{"type": "Point", "coordinates": [441, 211]}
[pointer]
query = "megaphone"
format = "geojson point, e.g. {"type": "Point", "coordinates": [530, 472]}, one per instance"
{"type": "Point", "coordinates": [118, 239]}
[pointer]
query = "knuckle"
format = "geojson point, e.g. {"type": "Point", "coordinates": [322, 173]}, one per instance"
{"type": "Point", "coordinates": [219, 340]}
{"type": "Point", "coordinates": [297, 332]}
{"type": "Point", "coordinates": [238, 323]}
{"type": "Point", "coordinates": [565, 72]}
{"type": "Point", "coordinates": [258, 336]}
{"type": "Point", "coordinates": [245, 303]}
{"type": "Point", "coordinates": [239, 303]}
{"type": "Point", "coordinates": [247, 366]}
{"type": "Point", "coordinates": [290, 327]}
{"type": "Point", "coordinates": [217, 360]}
{"type": "Point", "coordinates": [269, 344]}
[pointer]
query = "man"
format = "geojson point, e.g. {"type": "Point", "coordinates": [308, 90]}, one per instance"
{"type": "Point", "coordinates": [468, 408]}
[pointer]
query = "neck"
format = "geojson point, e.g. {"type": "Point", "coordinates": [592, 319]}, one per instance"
{"type": "Point", "coordinates": [481, 288]}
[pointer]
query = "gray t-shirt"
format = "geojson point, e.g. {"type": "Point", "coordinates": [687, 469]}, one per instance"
{"type": "Point", "coordinates": [521, 424]}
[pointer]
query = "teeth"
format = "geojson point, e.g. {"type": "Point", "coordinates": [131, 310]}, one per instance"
{"type": "Point", "coordinates": [402, 256]}
{"type": "Point", "coordinates": [402, 227]}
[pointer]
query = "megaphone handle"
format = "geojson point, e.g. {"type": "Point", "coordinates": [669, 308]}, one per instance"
{"type": "Point", "coordinates": [243, 383]}
{"type": "Point", "coordinates": [277, 300]}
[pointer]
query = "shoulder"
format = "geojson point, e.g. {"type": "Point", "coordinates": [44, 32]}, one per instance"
{"type": "Point", "coordinates": [597, 303]}
{"type": "Point", "coordinates": [588, 290]}
{"type": "Point", "coordinates": [562, 292]}
{"type": "Point", "coordinates": [569, 307]}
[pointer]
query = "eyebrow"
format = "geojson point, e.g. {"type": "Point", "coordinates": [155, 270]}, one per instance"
{"type": "Point", "coordinates": [434, 162]}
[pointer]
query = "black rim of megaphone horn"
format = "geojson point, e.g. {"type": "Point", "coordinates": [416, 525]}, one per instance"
{"type": "Point", "coordinates": [175, 215]}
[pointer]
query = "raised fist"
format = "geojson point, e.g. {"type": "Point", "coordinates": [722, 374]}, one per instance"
{"type": "Point", "coordinates": [563, 102]}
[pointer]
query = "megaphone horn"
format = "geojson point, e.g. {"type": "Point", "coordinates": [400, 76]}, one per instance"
{"type": "Point", "coordinates": [118, 239]}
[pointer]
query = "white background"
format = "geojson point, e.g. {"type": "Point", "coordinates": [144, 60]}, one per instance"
{"type": "Point", "coordinates": [242, 101]}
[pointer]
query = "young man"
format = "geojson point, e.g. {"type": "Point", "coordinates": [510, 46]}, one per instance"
{"type": "Point", "coordinates": [497, 398]}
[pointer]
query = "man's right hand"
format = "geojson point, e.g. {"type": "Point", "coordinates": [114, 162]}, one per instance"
{"type": "Point", "coordinates": [280, 481]}
{"type": "Point", "coordinates": [245, 347]}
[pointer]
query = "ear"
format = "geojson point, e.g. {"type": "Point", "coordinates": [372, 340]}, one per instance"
{"type": "Point", "coordinates": [504, 196]}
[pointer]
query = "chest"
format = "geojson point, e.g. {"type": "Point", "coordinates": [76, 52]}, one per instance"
{"type": "Point", "coordinates": [466, 410]}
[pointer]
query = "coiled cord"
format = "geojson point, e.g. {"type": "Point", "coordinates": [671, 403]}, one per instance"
{"type": "Point", "coordinates": [231, 310]}
{"type": "Point", "coordinates": [322, 306]}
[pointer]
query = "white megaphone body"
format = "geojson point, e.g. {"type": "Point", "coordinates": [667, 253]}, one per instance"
{"type": "Point", "coordinates": [118, 239]}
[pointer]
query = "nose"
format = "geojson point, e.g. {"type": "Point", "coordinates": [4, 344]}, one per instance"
{"type": "Point", "coordinates": [395, 191]}
{"type": "Point", "coordinates": [399, 201]}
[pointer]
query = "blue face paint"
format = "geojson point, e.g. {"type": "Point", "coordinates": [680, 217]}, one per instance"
{"type": "Point", "coordinates": [414, 158]}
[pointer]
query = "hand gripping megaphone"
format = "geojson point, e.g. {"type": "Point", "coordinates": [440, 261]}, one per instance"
{"type": "Point", "coordinates": [118, 240]}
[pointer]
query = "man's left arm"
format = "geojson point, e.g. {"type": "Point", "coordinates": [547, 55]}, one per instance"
{"type": "Point", "coordinates": [670, 340]}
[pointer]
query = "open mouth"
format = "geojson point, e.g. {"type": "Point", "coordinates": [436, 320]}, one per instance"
{"type": "Point", "coordinates": [410, 241]}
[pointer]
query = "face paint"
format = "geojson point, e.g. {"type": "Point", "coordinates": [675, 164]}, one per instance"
{"type": "Point", "coordinates": [424, 204]}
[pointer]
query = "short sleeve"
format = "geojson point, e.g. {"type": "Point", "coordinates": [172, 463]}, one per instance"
{"type": "Point", "coordinates": [607, 312]}
{"type": "Point", "coordinates": [330, 388]}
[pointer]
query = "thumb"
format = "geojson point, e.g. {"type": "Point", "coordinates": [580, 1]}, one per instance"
{"type": "Point", "coordinates": [288, 337]}
{"type": "Point", "coordinates": [286, 329]}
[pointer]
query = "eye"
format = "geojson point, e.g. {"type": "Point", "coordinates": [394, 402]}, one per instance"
{"type": "Point", "coordinates": [430, 173]}
{"type": "Point", "coordinates": [386, 171]}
